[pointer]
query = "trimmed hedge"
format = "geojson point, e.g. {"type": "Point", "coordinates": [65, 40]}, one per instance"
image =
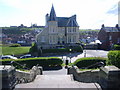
{"type": "Point", "coordinates": [60, 50]}
{"type": "Point", "coordinates": [15, 45]}
{"type": "Point", "coordinates": [88, 61]}
{"type": "Point", "coordinates": [114, 58]}
{"type": "Point", "coordinates": [116, 47]}
{"type": "Point", "coordinates": [30, 62]}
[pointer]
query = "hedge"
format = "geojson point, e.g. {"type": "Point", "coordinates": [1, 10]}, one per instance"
{"type": "Point", "coordinates": [30, 62]}
{"type": "Point", "coordinates": [116, 47]}
{"type": "Point", "coordinates": [15, 45]}
{"type": "Point", "coordinates": [60, 50]}
{"type": "Point", "coordinates": [88, 61]}
{"type": "Point", "coordinates": [114, 58]}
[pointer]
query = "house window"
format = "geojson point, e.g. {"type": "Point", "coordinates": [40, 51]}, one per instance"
{"type": "Point", "coordinates": [69, 39]}
{"type": "Point", "coordinates": [110, 37]}
{"type": "Point", "coordinates": [74, 38]}
{"type": "Point", "coordinates": [43, 39]}
{"type": "Point", "coordinates": [74, 29]}
{"type": "Point", "coordinates": [118, 41]}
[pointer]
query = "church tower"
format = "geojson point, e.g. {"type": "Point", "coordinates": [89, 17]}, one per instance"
{"type": "Point", "coordinates": [53, 27]}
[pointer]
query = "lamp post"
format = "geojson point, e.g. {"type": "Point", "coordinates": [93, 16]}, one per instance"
{"type": "Point", "coordinates": [70, 54]}
{"type": "Point", "coordinates": [85, 50]}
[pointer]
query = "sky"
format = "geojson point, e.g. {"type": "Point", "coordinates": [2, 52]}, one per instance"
{"type": "Point", "coordinates": [91, 14]}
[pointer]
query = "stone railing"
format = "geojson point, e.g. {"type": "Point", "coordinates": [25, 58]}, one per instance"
{"type": "Point", "coordinates": [87, 76]}
{"type": "Point", "coordinates": [25, 77]}
{"type": "Point", "coordinates": [108, 77]}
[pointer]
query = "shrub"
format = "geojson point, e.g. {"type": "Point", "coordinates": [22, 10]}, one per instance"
{"type": "Point", "coordinates": [33, 48]}
{"type": "Point", "coordinates": [60, 50]}
{"type": "Point", "coordinates": [30, 62]}
{"type": "Point", "coordinates": [114, 58]}
{"type": "Point", "coordinates": [78, 49]}
{"type": "Point", "coordinates": [116, 47]}
{"type": "Point", "coordinates": [88, 61]}
{"type": "Point", "coordinates": [15, 45]}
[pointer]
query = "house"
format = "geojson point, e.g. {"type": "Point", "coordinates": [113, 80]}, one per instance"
{"type": "Point", "coordinates": [109, 36]}
{"type": "Point", "coordinates": [58, 31]}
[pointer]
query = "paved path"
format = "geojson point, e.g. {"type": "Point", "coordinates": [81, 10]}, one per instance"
{"type": "Point", "coordinates": [89, 53]}
{"type": "Point", "coordinates": [57, 82]}
{"type": "Point", "coordinates": [62, 71]}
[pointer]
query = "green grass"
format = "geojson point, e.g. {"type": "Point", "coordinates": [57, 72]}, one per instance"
{"type": "Point", "coordinates": [88, 69]}
{"type": "Point", "coordinates": [14, 50]}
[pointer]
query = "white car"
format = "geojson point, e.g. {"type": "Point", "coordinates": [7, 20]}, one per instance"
{"type": "Point", "coordinates": [8, 57]}
{"type": "Point", "coordinates": [27, 56]}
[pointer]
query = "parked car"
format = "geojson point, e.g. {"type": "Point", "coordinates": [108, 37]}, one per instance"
{"type": "Point", "coordinates": [27, 56]}
{"type": "Point", "coordinates": [8, 57]}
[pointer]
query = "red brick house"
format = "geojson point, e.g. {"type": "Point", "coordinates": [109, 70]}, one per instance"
{"type": "Point", "coordinates": [109, 36]}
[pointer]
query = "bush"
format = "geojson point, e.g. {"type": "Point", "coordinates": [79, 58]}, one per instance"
{"type": "Point", "coordinates": [15, 45]}
{"type": "Point", "coordinates": [33, 48]}
{"type": "Point", "coordinates": [88, 61]}
{"type": "Point", "coordinates": [116, 47]}
{"type": "Point", "coordinates": [114, 58]}
{"type": "Point", "coordinates": [78, 49]}
{"type": "Point", "coordinates": [30, 62]}
{"type": "Point", "coordinates": [61, 50]}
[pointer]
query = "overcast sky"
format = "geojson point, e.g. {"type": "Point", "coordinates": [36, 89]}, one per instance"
{"type": "Point", "coordinates": [91, 14]}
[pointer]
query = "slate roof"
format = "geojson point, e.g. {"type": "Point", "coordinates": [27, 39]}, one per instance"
{"type": "Point", "coordinates": [52, 14]}
{"type": "Point", "coordinates": [63, 21]}
{"type": "Point", "coordinates": [111, 29]}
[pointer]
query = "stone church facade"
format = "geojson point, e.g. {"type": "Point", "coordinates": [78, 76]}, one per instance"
{"type": "Point", "coordinates": [58, 31]}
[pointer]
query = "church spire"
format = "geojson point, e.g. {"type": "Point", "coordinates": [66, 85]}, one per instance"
{"type": "Point", "coordinates": [52, 14]}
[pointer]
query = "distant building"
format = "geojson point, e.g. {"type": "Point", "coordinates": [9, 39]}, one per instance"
{"type": "Point", "coordinates": [58, 31]}
{"type": "Point", "coordinates": [109, 36]}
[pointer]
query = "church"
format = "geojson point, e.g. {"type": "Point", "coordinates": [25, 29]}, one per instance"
{"type": "Point", "coordinates": [58, 31]}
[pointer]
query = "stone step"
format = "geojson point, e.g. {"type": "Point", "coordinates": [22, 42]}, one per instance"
{"type": "Point", "coordinates": [55, 81]}
{"type": "Point", "coordinates": [60, 78]}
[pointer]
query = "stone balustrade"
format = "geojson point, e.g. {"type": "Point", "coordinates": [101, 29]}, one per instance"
{"type": "Point", "coordinates": [87, 76]}
{"type": "Point", "coordinates": [25, 77]}
{"type": "Point", "coordinates": [7, 76]}
{"type": "Point", "coordinates": [108, 77]}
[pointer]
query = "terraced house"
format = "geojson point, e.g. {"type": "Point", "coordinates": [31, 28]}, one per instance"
{"type": "Point", "coordinates": [58, 31]}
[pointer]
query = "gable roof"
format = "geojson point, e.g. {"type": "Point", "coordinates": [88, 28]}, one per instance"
{"type": "Point", "coordinates": [62, 21]}
{"type": "Point", "coordinates": [111, 29]}
{"type": "Point", "coordinates": [72, 22]}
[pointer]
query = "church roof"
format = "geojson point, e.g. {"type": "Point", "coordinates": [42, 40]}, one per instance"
{"type": "Point", "coordinates": [52, 14]}
{"type": "Point", "coordinates": [63, 21]}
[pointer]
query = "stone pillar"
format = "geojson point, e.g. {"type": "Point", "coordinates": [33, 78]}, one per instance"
{"type": "Point", "coordinates": [7, 74]}
{"type": "Point", "coordinates": [109, 77]}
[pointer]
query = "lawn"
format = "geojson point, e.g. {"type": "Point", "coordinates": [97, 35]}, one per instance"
{"type": "Point", "coordinates": [6, 50]}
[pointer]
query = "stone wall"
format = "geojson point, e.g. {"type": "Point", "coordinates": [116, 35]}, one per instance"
{"type": "Point", "coordinates": [25, 77]}
{"type": "Point", "coordinates": [109, 77]}
{"type": "Point", "coordinates": [88, 76]}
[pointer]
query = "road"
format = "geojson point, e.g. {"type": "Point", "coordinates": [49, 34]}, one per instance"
{"type": "Point", "coordinates": [86, 53]}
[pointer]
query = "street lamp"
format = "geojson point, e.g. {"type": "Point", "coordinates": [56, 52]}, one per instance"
{"type": "Point", "coordinates": [70, 54]}
{"type": "Point", "coordinates": [85, 50]}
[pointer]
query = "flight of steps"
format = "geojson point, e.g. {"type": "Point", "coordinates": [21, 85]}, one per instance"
{"type": "Point", "coordinates": [56, 82]}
